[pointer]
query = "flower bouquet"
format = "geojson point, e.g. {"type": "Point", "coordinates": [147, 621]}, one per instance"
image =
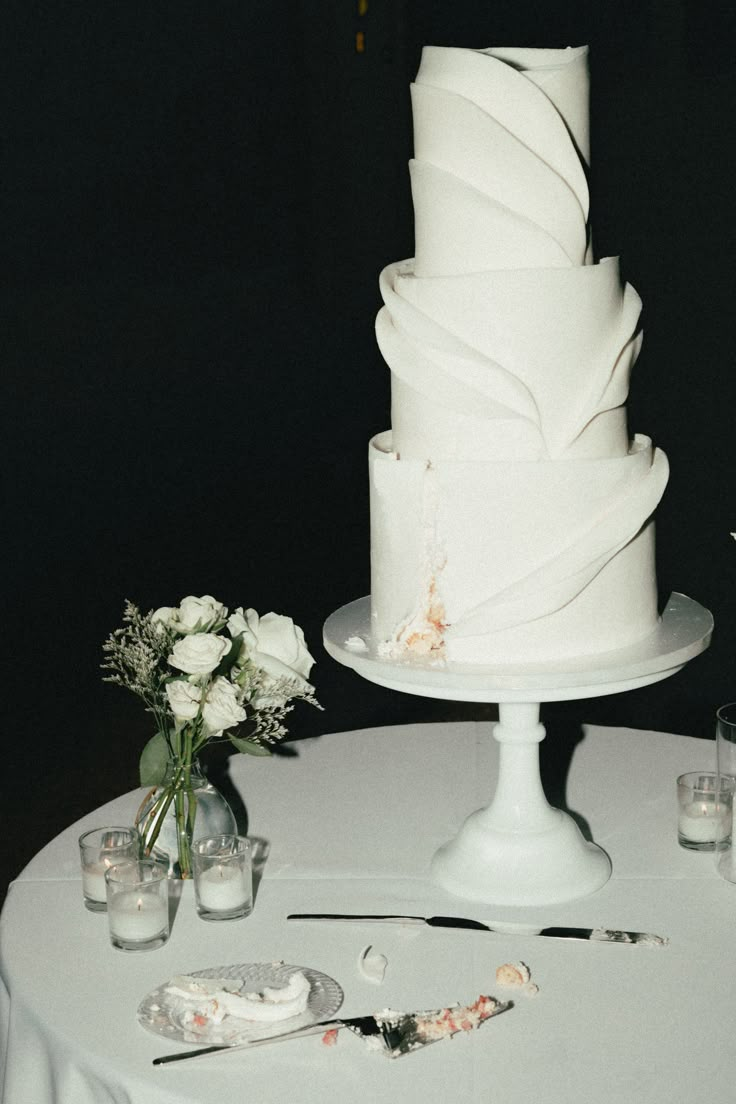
{"type": "Point", "coordinates": [205, 676]}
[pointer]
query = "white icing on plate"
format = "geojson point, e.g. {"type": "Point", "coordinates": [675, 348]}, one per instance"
{"type": "Point", "coordinates": [166, 1010]}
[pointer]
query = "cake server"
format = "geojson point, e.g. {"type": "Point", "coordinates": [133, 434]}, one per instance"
{"type": "Point", "coordinates": [602, 935]}
{"type": "Point", "coordinates": [364, 1026]}
{"type": "Point", "coordinates": [393, 1033]}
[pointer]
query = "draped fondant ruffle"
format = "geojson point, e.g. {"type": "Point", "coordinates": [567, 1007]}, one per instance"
{"type": "Point", "coordinates": [535, 105]}
{"type": "Point", "coordinates": [455, 135]}
{"type": "Point", "coordinates": [555, 345]}
{"type": "Point", "coordinates": [454, 222]}
{"type": "Point", "coordinates": [607, 510]}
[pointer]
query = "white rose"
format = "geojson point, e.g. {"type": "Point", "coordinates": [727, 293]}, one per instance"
{"type": "Point", "coordinates": [162, 617]}
{"type": "Point", "coordinates": [199, 653]}
{"type": "Point", "coordinates": [221, 707]}
{"type": "Point", "coordinates": [198, 614]}
{"type": "Point", "coordinates": [277, 637]}
{"type": "Point", "coordinates": [275, 645]}
{"type": "Point", "coordinates": [237, 624]}
{"type": "Point", "coordinates": [184, 698]}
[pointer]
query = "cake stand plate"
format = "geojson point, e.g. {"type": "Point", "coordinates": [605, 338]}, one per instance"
{"type": "Point", "coordinates": [519, 850]}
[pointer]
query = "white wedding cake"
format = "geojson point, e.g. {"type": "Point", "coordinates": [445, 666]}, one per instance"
{"type": "Point", "coordinates": [511, 512]}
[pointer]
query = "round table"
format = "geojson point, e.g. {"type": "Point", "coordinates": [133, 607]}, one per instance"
{"type": "Point", "coordinates": [350, 824]}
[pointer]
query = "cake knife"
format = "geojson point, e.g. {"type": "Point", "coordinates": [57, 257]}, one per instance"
{"type": "Point", "coordinates": [602, 935]}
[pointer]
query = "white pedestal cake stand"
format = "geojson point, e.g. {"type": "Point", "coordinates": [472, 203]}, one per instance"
{"type": "Point", "coordinates": [519, 850]}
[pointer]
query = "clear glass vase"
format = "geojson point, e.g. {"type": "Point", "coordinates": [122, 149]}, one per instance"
{"type": "Point", "coordinates": [184, 807]}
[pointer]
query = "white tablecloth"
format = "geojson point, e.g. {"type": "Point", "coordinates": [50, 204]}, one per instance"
{"type": "Point", "coordinates": [352, 822]}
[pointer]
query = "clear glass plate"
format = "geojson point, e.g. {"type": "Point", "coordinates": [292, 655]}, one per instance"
{"type": "Point", "coordinates": [161, 1012]}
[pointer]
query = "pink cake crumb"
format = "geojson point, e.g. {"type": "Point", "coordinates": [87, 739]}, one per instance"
{"type": "Point", "coordinates": [425, 633]}
{"type": "Point", "coordinates": [516, 975]}
{"type": "Point", "coordinates": [451, 1020]}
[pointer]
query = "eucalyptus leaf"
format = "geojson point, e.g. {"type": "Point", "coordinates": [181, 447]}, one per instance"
{"type": "Point", "coordinates": [154, 760]}
{"type": "Point", "coordinates": [249, 747]}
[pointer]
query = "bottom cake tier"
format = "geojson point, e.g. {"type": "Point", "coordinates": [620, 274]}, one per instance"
{"type": "Point", "coordinates": [513, 562]}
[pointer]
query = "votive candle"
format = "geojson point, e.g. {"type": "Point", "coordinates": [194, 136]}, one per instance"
{"type": "Point", "coordinates": [135, 918]}
{"type": "Point", "coordinates": [137, 905]}
{"type": "Point", "coordinates": [223, 877]}
{"type": "Point", "coordinates": [223, 887]}
{"type": "Point", "coordinates": [703, 822]}
{"type": "Point", "coordinates": [703, 811]}
{"type": "Point", "coordinates": [99, 849]}
{"type": "Point", "coordinates": [93, 880]}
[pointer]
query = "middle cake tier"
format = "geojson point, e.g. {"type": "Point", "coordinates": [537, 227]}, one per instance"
{"type": "Point", "coordinates": [526, 364]}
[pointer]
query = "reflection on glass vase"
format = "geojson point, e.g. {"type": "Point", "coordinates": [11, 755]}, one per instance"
{"type": "Point", "coordinates": [186, 806]}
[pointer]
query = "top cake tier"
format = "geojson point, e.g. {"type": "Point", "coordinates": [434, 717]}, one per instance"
{"type": "Point", "coordinates": [498, 176]}
{"type": "Point", "coordinates": [504, 338]}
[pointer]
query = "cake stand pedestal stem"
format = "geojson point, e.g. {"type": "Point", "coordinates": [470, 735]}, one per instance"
{"type": "Point", "coordinates": [519, 799]}
{"type": "Point", "coordinates": [519, 850]}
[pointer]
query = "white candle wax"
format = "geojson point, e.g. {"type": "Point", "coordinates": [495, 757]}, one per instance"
{"type": "Point", "coordinates": [699, 822]}
{"type": "Point", "coordinates": [93, 880]}
{"type": "Point", "coordinates": [221, 888]}
{"type": "Point", "coordinates": [137, 917]}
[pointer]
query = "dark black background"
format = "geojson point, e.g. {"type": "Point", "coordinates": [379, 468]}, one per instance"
{"type": "Point", "coordinates": [197, 200]}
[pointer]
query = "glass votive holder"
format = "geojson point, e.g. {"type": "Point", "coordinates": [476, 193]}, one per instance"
{"type": "Point", "coordinates": [99, 849]}
{"type": "Point", "coordinates": [703, 810]}
{"type": "Point", "coordinates": [223, 877]}
{"type": "Point", "coordinates": [138, 905]}
{"type": "Point", "coordinates": [726, 772]}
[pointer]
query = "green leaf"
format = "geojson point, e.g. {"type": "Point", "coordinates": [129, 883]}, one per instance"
{"type": "Point", "coordinates": [153, 761]}
{"type": "Point", "coordinates": [249, 747]}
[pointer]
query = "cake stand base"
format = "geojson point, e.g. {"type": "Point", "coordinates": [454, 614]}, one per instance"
{"type": "Point", "coordinates": [519, 850]}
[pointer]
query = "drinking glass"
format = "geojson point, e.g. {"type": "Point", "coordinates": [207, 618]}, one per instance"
{"type": "Point", "coordinates": [726, 770]}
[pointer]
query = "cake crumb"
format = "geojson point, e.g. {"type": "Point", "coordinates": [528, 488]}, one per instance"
{"type": "Point", "coordinates": [449, 1021]}
{"type": "Point", "coordinates": [516, 975]}
{"type": "Point", "coordinates": [424, 634]}
{"type": "Point", "coordinates": [372, 966]}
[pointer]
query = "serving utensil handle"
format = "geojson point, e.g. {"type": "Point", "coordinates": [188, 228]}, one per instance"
{"type": "Point", "coordinates": [297, 1033]}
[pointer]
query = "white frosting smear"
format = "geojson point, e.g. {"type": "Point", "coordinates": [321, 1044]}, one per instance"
{"type": "Point", "coordinates": [205, 1000]}
{"type": "Point", "coordinates": [372, 966]}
